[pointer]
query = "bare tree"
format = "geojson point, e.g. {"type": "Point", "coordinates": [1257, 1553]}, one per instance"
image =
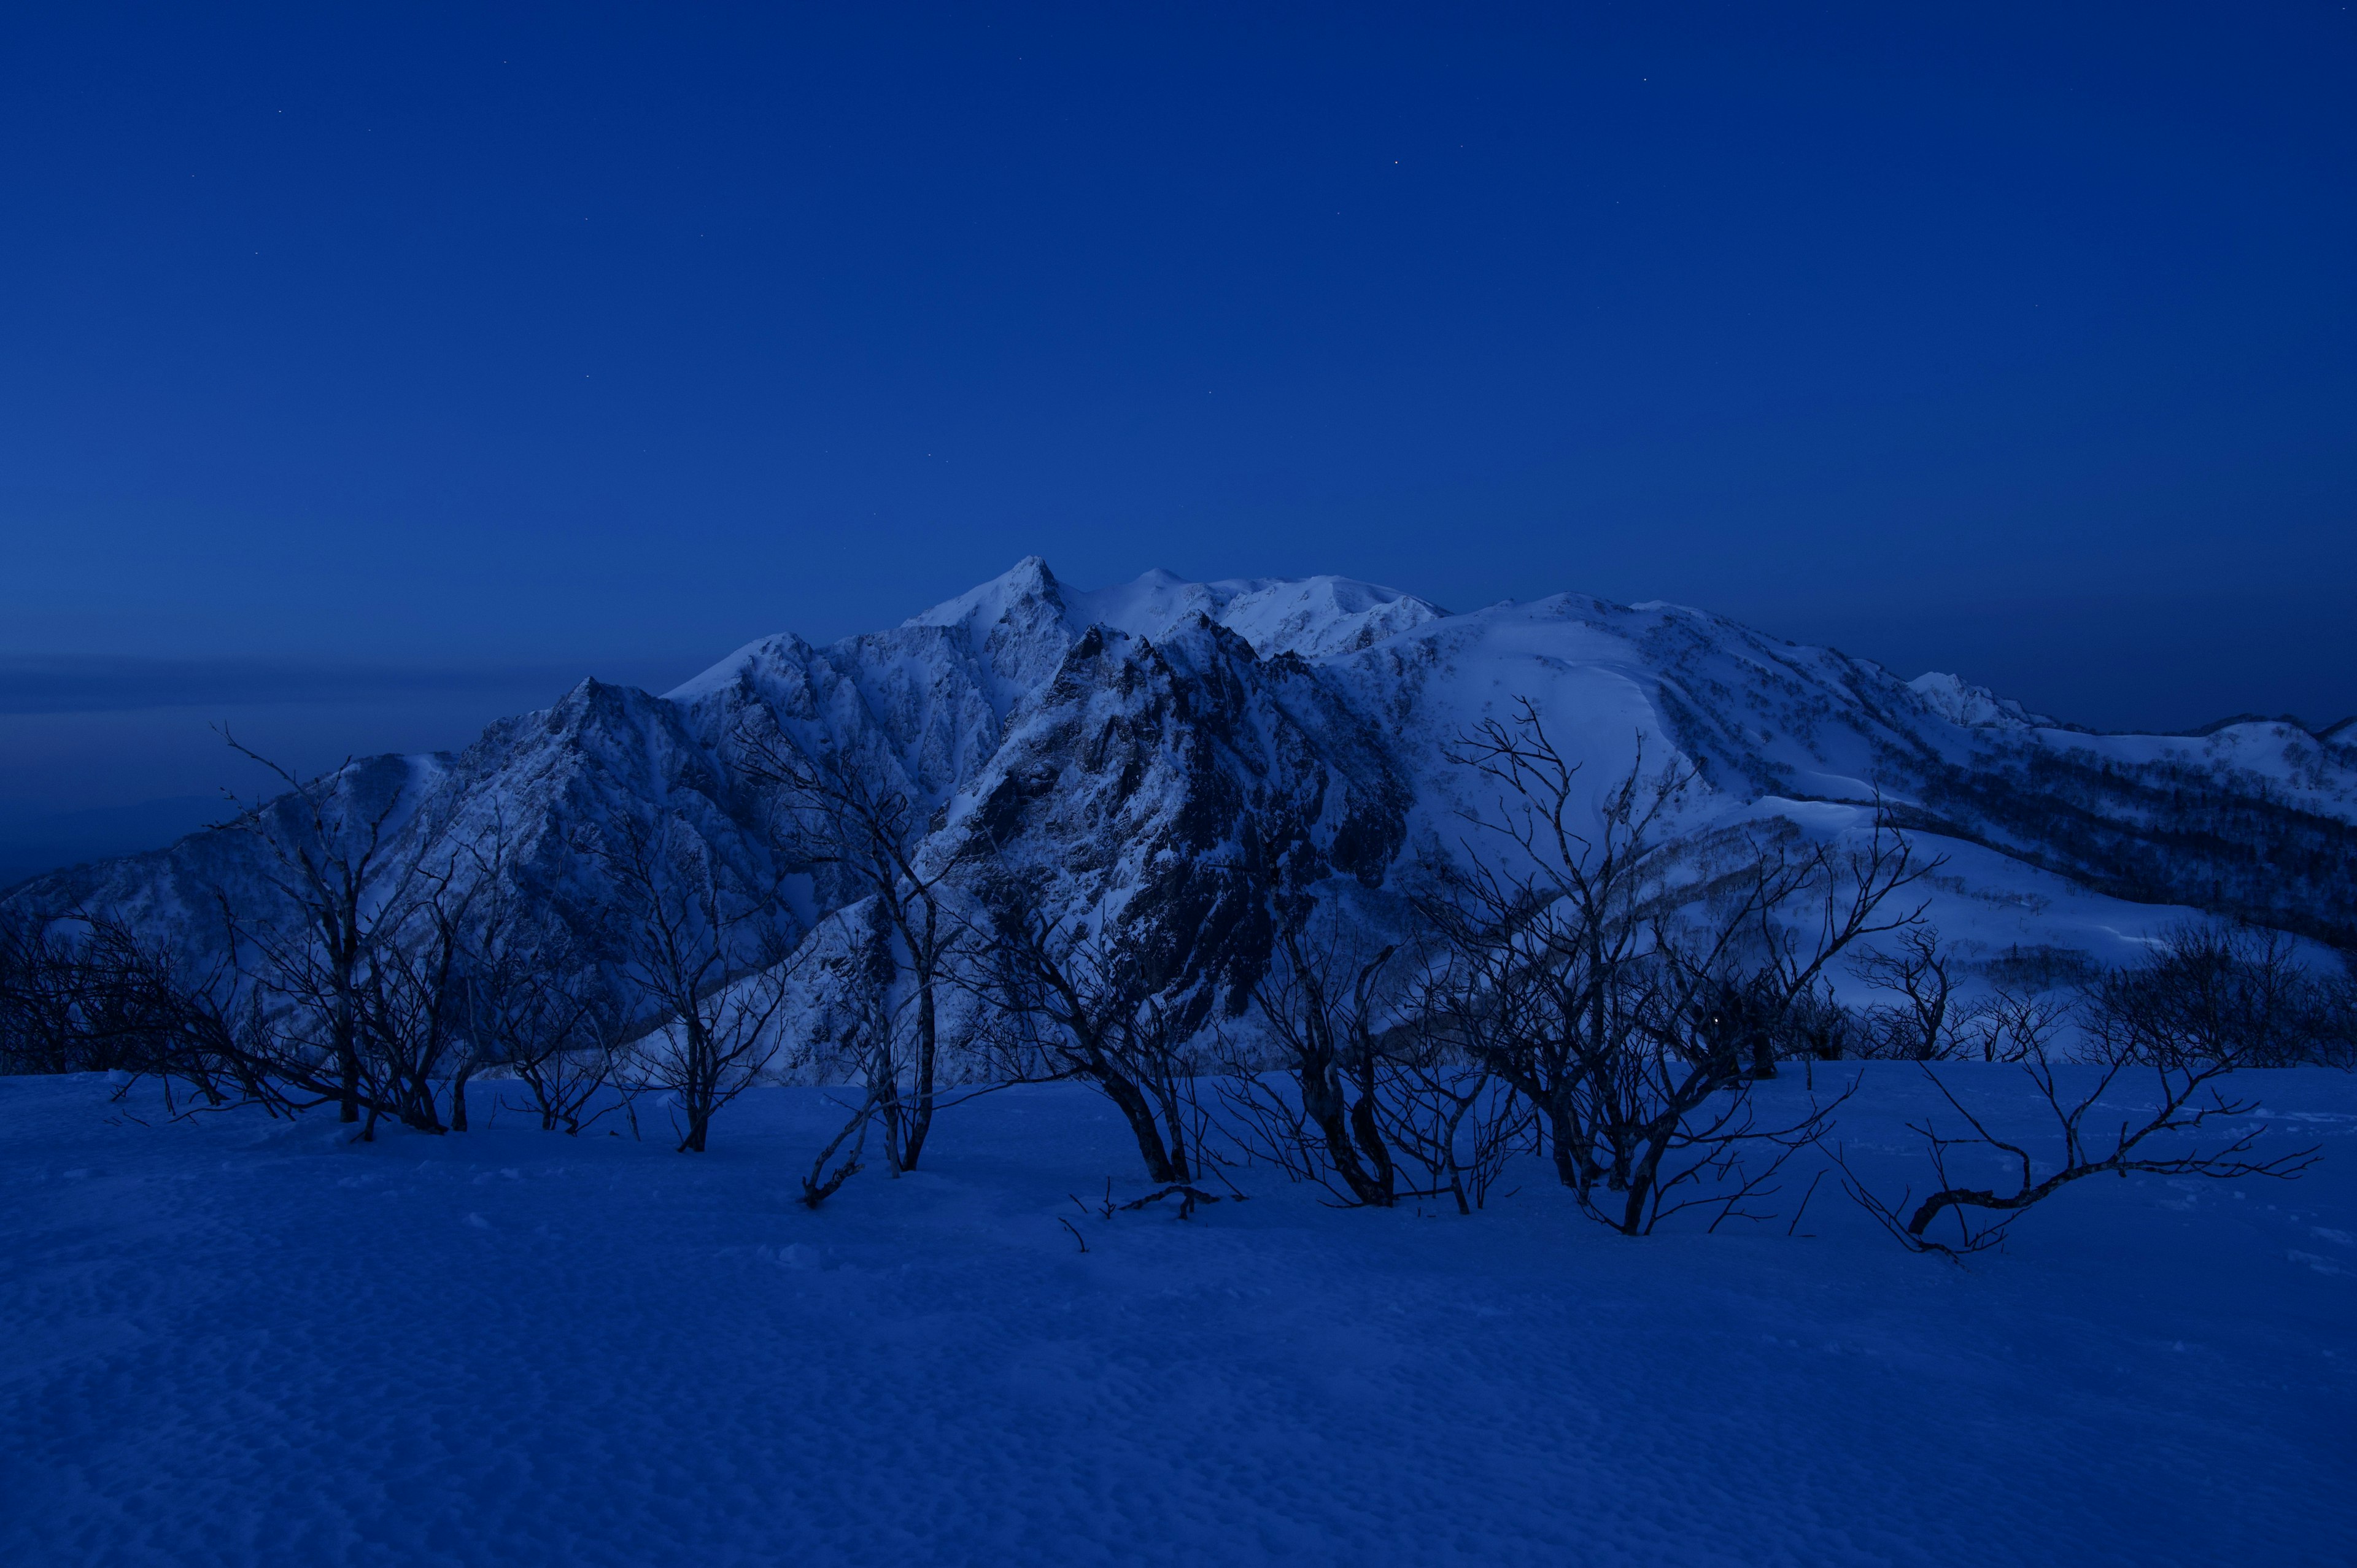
{"type": "Point", "coordinates": [336, 862]}
{"type": "Point", "coordinates": [1668, 1110]}
{"type": "Point", "coordinates": [1936, 1019]}
{"type": "Point", "coordinates": [1454, 1120]}
{"type": "Point", "coordinates": [707, 956]}
{"type": "Point", "coordinates": [204, 1031]}
{"type": "Point", "coordinates": [388, 994]}
{"type": "Point", "coordinates": [2241, 994]}
{"type": "Point", "coordinates": [1808, 903]}
{"type": "Point", "coordinates": [535, 1008]}
{"type": "Point", "coordinates": [864, 1036]}
{"type": "Point", "coordinates": [823, 1183]}
{"type": "Point", "coordinates": [412, 1012]}
{"type": "Point", "coordinates": [2009, 1026]}
{"type": "Point", "coordinates": [345, 994]}
{"type": "Point", "coordinates": [44, 1000]}
{"type": "Point", "coordinates": [1072, 1004]}
{"type": "Point", "coordinates": [836, 815]}
{"type": "Point", "coordinates": [1631, 984]}
{"type": "Point", "coordinates": [1540, 947]}
{"type": "Point", "coordinates": [1364, 1092]}
{"type": "Point", "coordinates": [1922, 1025]}
{"type": "Point", "coordinates": [1327, 1125]}
{"type": "Point", "coordinates": [2185, 1098]}
{"type": "Point", "coordinates": [85, 992]}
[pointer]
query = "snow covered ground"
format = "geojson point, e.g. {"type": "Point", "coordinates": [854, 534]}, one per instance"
{"type": "Point", "coordinates": [236, 1341]}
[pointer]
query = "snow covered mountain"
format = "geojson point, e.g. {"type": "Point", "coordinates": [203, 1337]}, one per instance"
{"type": "Point", "coordinates": [1133, 749]}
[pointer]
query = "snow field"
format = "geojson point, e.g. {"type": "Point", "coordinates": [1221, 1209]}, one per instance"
{"type": "Point", "coordinates": [234, 1341]}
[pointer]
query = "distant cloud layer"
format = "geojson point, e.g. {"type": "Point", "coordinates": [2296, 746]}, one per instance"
{"type": "Point", "coordinates": [58, 683]}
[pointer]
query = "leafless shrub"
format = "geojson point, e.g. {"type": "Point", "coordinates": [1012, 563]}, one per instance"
{"type": "Point", "coordinates": [1922, 1025]}
{"type": "Point", "coordinates": [1935, 1017]}
{"type": "Point", "coordinates": [834, 815]}
{"type": "Point", "coordinates": [46, 996]}
{"type": "Point", "coordinates": [1815, 1027]}
{"type": "Point", "coordinates": [337, 863]}
{"type": "Point", "coordinates": [83, 992]}
{"type": "Point", "coordinates": [2187, 1098]}
{"type": "Point", "coordinates": [2240, 995]}
{"type": "Point", "coordinates": [1458, 1123]}
{"type": "Point", "coordinates": [2008, 1025]}
{"type": "Point", "coordinates": [707, 957]}
{"type": "Point", "coordinates": [1633, 984]}
{"type": "Point", "coordinates": [1362, 1094]}
{"type": "Point", "coordinates": [2209, 1003]}
{"type": "Point", "coordinates": [1068, 1002]}
{"type": "Point", "coordinates": [411, 1012]}
{"type": "Point", "coordinates": [535, 1011]}
{"type": "Point", "coordinates": [1326, 1123]}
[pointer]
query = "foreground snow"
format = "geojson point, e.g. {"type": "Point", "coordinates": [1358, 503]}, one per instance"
{"type": "Point", "coordinates": [237, 1341]}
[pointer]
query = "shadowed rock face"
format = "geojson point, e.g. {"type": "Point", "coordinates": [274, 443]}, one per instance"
{"type": "Point", "coordinates": [1165, 761]}
{"type": "Point", "coordinates": [1175, 788]}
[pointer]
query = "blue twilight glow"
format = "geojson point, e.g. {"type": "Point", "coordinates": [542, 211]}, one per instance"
{"type": "Point", "coordinates": [369, 373]}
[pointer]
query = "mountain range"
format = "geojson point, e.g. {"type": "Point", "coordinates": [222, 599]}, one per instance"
{"type": "Point", "coordinates": [1131, 748]}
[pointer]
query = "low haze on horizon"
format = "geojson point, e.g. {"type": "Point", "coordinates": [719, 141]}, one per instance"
{"type": "Point", "coordinates": [375, 376]}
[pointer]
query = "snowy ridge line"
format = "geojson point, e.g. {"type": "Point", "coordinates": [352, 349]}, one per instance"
{"type": "Point", "coordinates": [1125, 744]}
{"type": "Point", "coordinates": [2325, 733]}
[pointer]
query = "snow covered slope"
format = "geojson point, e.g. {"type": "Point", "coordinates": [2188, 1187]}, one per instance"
{"type": "Point", "coordinates": [1133, 749]}
{"type": "Point", "coordinates": [238, 1341]}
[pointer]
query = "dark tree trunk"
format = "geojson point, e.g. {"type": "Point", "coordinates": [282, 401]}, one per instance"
{"type": "Point", "coordinates": [1322, 1101]}
{"type": "Point", "coordinates": [921, 1110]}
{"type": "Point", "coordinates": [458, 1097]}
{"type": "Point", "coordinates": [1160, 1166]}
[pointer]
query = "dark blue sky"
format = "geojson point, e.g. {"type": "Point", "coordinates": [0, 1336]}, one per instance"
{"type": "Point", "coordinates": [364, 376]}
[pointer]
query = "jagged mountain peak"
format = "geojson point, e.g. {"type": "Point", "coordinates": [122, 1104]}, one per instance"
{"type": "Point", "coordinates": [1028, 595]}
{"type": "Point", "coordinates": [1317, 618]}
{"type": "Point", "coordinates": [1976, 708]}
{"type": "Point", "coordinates": [1016, 627]}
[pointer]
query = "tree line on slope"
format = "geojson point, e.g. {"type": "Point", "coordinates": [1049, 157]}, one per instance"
{"type": "Point", "coordinates": [2165, 833]}
{"type": "Point", "coordinates": [1596, 988]}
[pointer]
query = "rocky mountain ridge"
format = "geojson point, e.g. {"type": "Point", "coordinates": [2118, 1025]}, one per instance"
{"type": "Point", "coordinates": [1133, 749]}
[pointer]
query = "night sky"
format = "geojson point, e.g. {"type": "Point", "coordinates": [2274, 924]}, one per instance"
{"type": "Point", "coordinates": [364, 377]}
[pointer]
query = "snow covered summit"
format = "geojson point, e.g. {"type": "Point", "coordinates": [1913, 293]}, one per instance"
{"type": "Point", "coordinates": [1130, 747]}
{"type": "Point", "coordinates": [1313, 617]}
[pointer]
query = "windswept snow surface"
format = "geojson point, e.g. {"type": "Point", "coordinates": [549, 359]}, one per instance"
{"type": "Point", "coordinates": [234, 1341]}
